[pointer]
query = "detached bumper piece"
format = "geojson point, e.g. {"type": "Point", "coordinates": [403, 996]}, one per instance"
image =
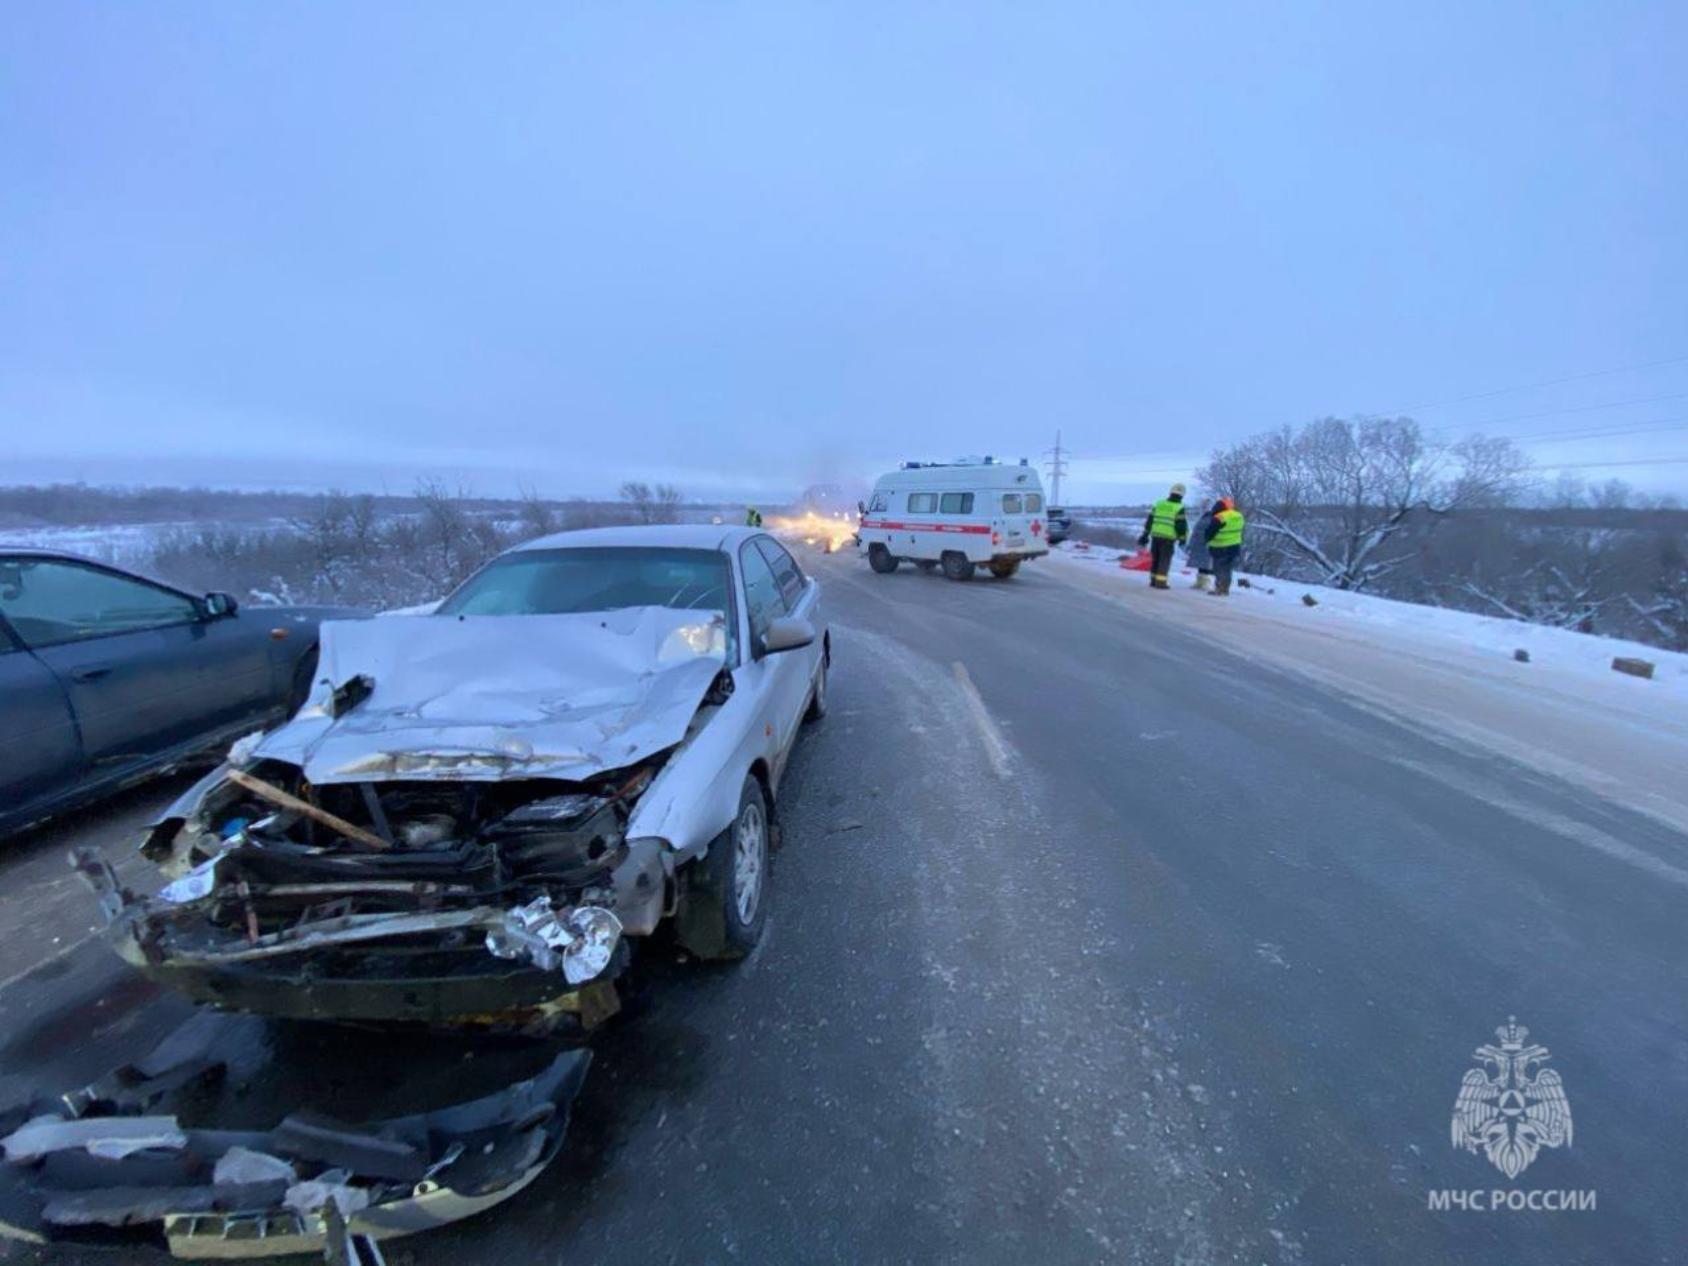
{"type": "Point", "coordinates": [107, 1165]}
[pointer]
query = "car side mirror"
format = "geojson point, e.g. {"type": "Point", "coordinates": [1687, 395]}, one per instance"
{"type": "Point", "coordinates": [220, 605]}
{"type": "Point", "coordinates": [786, 633]}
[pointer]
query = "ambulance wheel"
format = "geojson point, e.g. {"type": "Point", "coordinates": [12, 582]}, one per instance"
{"type": "Point", "coordinates": [957, 566]}
{"type": "Point", "coordinates": [926, 564]}
{"type": "Point", "coordinates": [1003, 568]}
{"type": "Point", "coordinates": [881, 559]}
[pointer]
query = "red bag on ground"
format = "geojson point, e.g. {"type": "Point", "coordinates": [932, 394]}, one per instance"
{"type": "Point", "coordinates": [1135, 562]}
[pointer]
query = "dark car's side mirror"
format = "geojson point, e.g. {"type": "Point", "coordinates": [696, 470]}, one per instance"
{"type": "Point", "coordinates": [220, 605]}
{"type": "Point", "coordinates": [785, 633]}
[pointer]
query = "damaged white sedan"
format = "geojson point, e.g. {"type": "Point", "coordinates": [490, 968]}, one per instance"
{"type": "Point", "coordinates": [476, 810]}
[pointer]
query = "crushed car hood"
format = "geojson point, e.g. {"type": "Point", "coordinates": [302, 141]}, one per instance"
{"type": "Point", "coordinates": [496, 697]}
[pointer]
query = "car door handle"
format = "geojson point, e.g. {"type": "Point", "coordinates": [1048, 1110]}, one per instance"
{"type": "Point", "coordinates": [91, 672]}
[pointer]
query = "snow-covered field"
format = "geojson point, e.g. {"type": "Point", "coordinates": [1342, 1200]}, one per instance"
{"type": "Point", "coordinates": [1565, 712]}
{"type": "Point", "coordinates": [123, 543]}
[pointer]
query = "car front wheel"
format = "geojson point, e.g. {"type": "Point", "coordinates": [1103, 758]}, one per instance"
{"type": "Point", "coordinates": [727, 906]}
{"type": "Point", "coordinates": [881, 559]}
{"type": "Point", "coordinates": [817, 696]}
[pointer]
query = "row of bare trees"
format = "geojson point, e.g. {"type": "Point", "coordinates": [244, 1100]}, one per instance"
{"type": "Point", "coordinates": [356, 549]}
{"type": "Point", "coordinates": [1374, 504]}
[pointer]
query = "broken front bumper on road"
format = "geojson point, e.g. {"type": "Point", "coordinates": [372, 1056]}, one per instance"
{"type": "Point", "coordinates": [114, 1162]}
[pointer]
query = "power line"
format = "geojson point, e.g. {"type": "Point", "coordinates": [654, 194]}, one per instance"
{"type": "Point", "coordinates": [1638, 461]}
{"type": "Point", "coordinates": [1602, 432]}
{"type": "Point", "coordinates": [1532, 386]}
{"type": "Point", "coordinates": [1550, 413]}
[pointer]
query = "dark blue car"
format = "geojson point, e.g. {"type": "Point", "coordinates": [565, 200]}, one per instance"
{"type": "Point", "coordinates": [107, 677]}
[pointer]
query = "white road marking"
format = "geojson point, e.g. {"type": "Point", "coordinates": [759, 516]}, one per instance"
{"type": "Point", "coordinates": [996, 751]}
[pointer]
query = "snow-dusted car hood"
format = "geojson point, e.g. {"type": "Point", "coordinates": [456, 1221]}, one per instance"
{"type": "Point", "coordinates": [499, 697]}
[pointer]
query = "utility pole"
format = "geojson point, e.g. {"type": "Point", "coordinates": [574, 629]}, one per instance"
{"type": "Point", "coordinates": [1057, 466]}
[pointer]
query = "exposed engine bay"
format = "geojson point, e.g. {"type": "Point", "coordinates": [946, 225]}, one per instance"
{"type": "Point", "coordinates": [485, 904]}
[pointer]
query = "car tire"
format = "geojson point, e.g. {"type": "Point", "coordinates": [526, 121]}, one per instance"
{"type": "Point", "coordinates": [1002, 569]}
{"type": "Point", "coordinates": [881, 559]}
{"type": "Point", "coordinates": [957, 566]}
{"type": "Point", "coordinates": [726, 902]}
{"type": "Point", "coordinates": [817, 696]}
{"type": "Point", "coordinates": [304, 677]}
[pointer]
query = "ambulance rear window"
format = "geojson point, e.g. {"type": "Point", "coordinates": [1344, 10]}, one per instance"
{"type": "Point", "coordinates": [1011, 503]}
{"type": "Point", "coordinates": [1034, 502]}
{"type": "Point", "coordinates": [957, 503]}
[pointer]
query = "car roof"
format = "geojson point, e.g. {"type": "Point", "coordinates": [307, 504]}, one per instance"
{"type": "Point", "coordinates": [41, 551]}
{"type": "Point", "coordinates": [711, 536]}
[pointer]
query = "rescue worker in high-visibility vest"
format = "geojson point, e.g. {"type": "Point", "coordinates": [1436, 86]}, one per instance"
{"type": "Point", "coordinates": [1224, 543]}
{"type": "Point", "coordinates": [752, 517]}
{"type": "Point", "coordinates": [1163, 531]}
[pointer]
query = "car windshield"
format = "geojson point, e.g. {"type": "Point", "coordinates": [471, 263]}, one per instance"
{"type": "Point", "coordinates": [569, 581]}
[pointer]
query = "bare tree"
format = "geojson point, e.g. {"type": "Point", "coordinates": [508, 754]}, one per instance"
{"type": "Point", "coordinates": [1333, 495]}
{"type": "Point", "coordinates": [639, 496]}
{"type": "Point", "coordinates": [537, 518]}
{"type": "Point", "coordinates": [668, 499]}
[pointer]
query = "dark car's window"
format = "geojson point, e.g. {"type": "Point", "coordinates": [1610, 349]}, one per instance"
{"type": "Point", "coordinates": [787, 573]}
{"type": "Point", "coordinates": [50, 601]}
{"type": "Point", "coordinates": [761, 591]}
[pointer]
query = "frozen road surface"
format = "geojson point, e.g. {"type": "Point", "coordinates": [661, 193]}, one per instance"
{"type": "Point", "coordinates": [1109, 925]}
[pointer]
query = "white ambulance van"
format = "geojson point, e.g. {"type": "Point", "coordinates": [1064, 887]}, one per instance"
{"type": "Point", "coordinates": [958, 516]}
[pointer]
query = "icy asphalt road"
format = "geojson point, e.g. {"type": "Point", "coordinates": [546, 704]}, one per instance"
{"type": "Point", "coordinates": [1090, 943]}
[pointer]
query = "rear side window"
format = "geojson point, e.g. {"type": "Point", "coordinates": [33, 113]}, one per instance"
{"type": "Point", "coordinates": [922, 503]}
{"type": "Point", "coordinates": [1011, 503]}
{"type": "Point", "coordinates": [786, 572]}
{"type": "Point", "coordinates": [1034, 502]}
{"type": "Point", "coordinates": [762, 598]}
{"type": "Point", "coordinates": [957, 503]}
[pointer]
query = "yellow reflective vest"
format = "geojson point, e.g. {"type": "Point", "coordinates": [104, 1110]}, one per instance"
{"type": "Point", "coordinates": [1230, 530]}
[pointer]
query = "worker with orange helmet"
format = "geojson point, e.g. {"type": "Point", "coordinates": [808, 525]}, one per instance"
{"type": "Point", "coordinates": [1224, 543]}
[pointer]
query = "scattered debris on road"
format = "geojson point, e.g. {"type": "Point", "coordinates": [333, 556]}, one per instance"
{"type": "Point", "coordinates": [122, 1161]}
{"type": "Point", "coordinates": [1634, 667]}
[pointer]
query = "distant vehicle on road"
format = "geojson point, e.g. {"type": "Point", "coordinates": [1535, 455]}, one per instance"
{"type": "Point", "coordinates": [956, 516]}
{"type": "Point", "coordinates": [107, 677]}
{"type": "Point", "coordinates": [1060, 525]}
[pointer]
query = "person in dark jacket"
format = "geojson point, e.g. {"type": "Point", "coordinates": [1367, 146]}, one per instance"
{"type": "Point", "coordinates": [1225, 542]}
{"type": "Point", "coordinates": [1198, 555]}
{"type": "Point", "coordinates": [1164, 530]}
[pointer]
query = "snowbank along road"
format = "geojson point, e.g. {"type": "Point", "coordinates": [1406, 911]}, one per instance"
{"type": "Point", "coordinates": [1109, 925]}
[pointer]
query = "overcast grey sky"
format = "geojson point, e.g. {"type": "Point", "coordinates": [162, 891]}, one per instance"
{"type": "Point", "coordinates": [745, 246]}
